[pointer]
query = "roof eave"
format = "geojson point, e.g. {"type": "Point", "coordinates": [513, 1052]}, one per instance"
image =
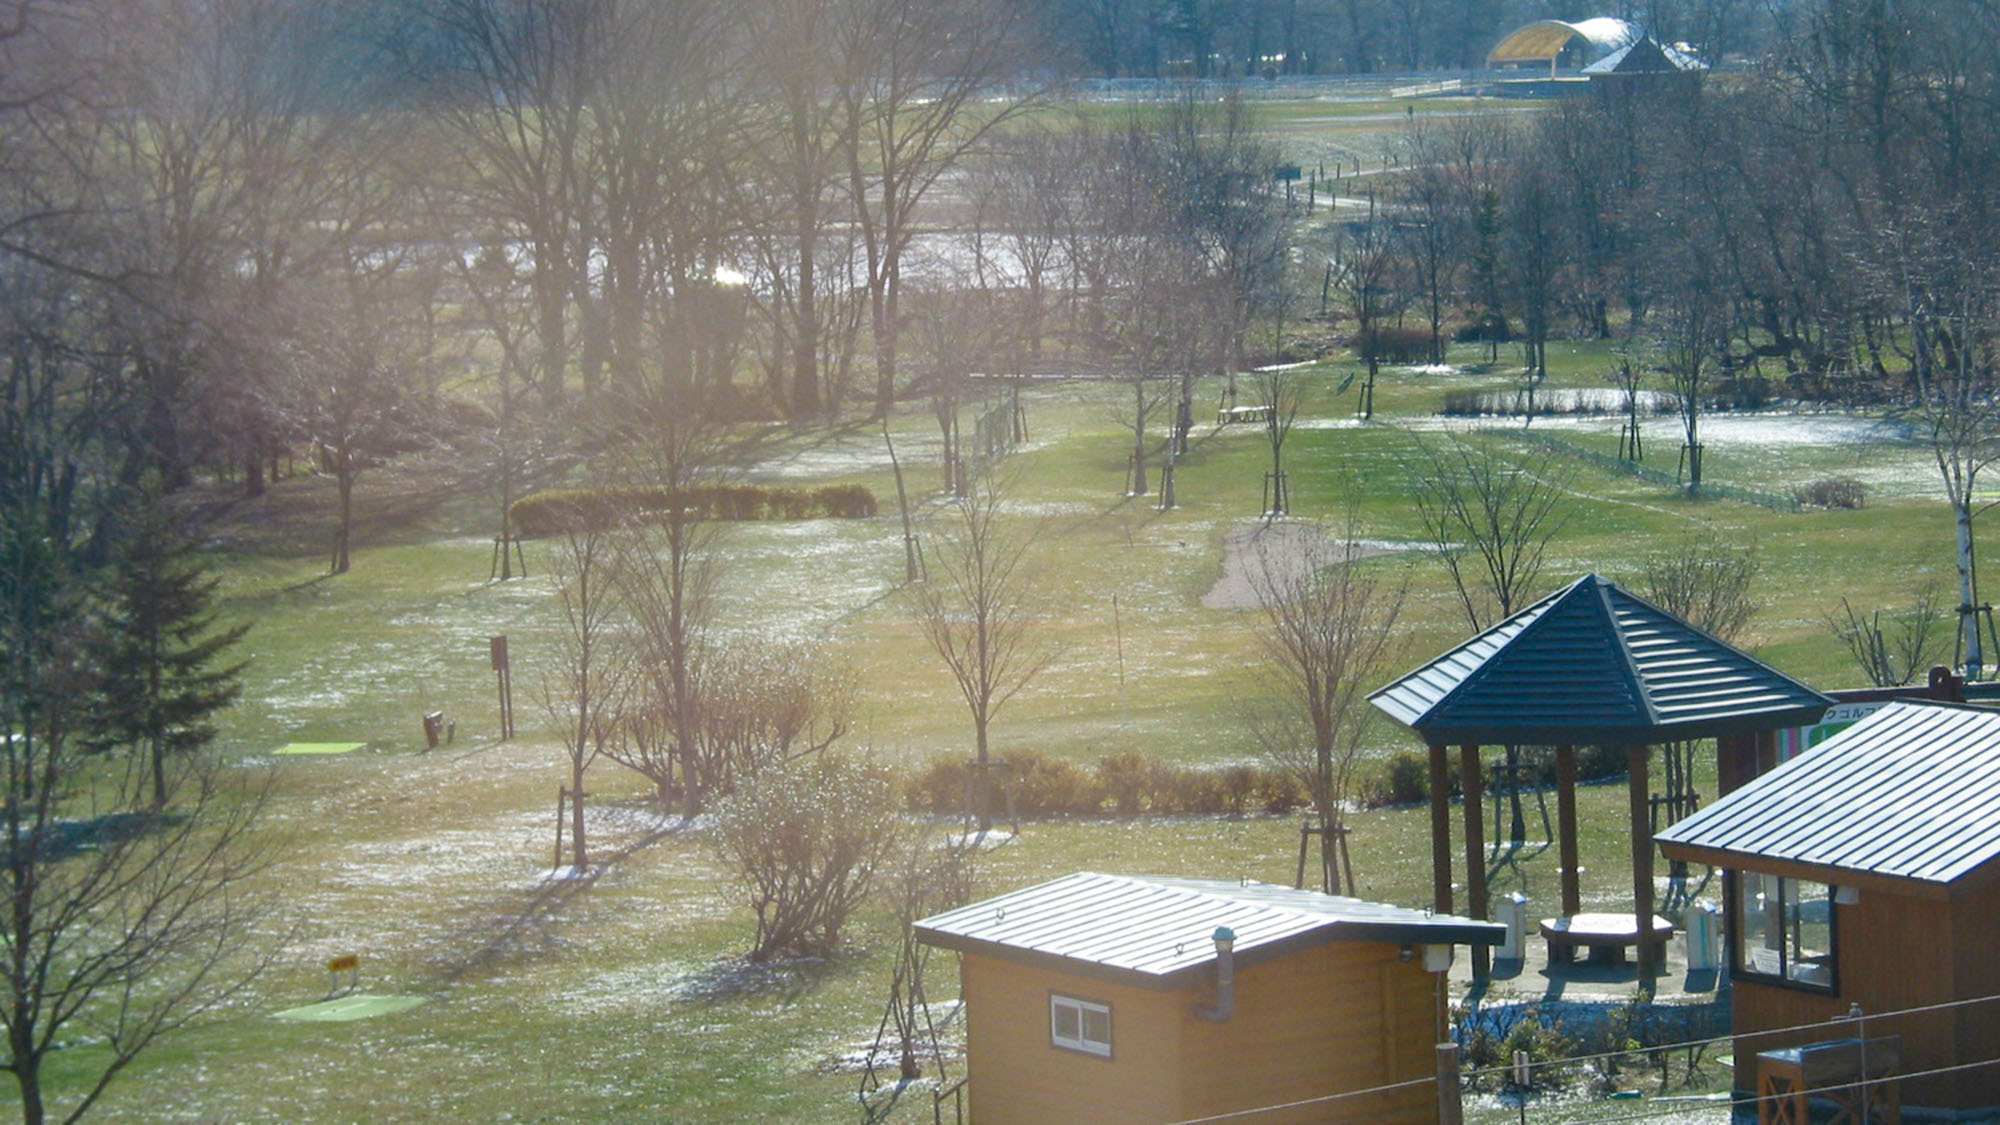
{"type": "Point", "coordinates": [1863, 881]}
{"type": "Point", "coordinates": [1556, 735]}
{"type": "Point", "coordinates": [1458, 931]}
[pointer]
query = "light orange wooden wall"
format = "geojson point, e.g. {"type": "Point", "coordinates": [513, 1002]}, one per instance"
{"type": "Point", "coordinates": [1017, 1076]}
{"type": "Point", "coordinates": [1344, 1016]}
{"type": "Point", "coordinates": [1895, 953]}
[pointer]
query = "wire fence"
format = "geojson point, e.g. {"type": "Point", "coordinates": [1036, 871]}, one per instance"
{"type": "Point", "coordinates": [1856, 1026]}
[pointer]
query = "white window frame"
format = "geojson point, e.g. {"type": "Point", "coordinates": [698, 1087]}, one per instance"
{"type": "Point", "coordinates": [1079, 1009]}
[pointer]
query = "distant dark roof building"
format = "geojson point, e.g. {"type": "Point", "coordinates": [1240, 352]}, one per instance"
{"type": "Point", "coordinates": [1156, 932]}
{"type": "Point", "coordinates": [1595, 664]}
{"type": "Point", "coordinates": [1910, 793]}
{"type": "Point", "coordinates": [1647, 56]}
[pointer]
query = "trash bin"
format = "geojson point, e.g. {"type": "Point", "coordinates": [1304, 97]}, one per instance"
{"type": "Point", "coordinates": [1514, 916]}
{"type": "Point", "coordinates": [1704, 937]}
{"type": "Point", "coordinates": [433, 729]}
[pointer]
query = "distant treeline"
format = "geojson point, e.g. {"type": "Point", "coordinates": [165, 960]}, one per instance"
{"type": "Point", "coordinates": [411, 50]}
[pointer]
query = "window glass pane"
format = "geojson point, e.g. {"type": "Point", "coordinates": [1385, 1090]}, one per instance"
{"type": "Point", "coordinates": [1097, 1025]}
{"type": "Point", "coordinates": [1066, 1022]}
{"type": "Point", "coordinates": [1760, 926]}
{"type": "Point", "coordinates": [1809, 956]}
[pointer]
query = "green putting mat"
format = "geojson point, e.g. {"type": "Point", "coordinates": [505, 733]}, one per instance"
{"type": "Point", "coordinates": [359, 1006]}
{"type": "Point", "coordinates": [319, 748]}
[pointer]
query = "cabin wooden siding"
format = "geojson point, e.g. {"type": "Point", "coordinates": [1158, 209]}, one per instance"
{"type": "Point", "coordinates": [1018, 1075]}
{"type": "Point", "coordinates": [1895, 953]}
{"type": "Point", "coordinates": [1340, 1016]}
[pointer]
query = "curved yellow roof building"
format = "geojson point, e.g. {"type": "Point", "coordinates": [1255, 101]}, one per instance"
{"type": "Point", "coordinates": [1544, 40]}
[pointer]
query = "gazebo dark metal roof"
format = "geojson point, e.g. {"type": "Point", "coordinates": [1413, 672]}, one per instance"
{"type": "Point", "coordinates": [1594, 664]}
{"type": "Point", "coordinates": [1910, 793]}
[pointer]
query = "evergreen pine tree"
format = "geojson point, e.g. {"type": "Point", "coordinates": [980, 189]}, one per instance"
{"type": "Point", "coordinates": [157, 653]}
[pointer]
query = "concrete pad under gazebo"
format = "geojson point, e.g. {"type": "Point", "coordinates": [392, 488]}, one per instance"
{"type": "Point", "coordinates": [1589, 665]}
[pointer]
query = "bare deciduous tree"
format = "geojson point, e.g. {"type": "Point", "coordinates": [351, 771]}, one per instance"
{"type": "Point", "coordinates": [1706, 582]}
{"type": "Point", "coordinates": [1489, 520]}
{"type": "Point", "coordinates": [975, 611]}
{"type": "Point", "coordinates": [1328, 636]}
{"type": "Point", "coordinates": [1895, 652]}
{"type": "Point", "coordinates": [586, 690]}
{"type": "Point", "coordinates": [1278, 392]}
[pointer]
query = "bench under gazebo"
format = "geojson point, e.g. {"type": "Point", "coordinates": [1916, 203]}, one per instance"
{"type": "Point", "coordinates": [1590, 665]}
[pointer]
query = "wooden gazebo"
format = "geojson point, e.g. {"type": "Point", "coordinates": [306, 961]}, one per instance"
{"type": "Point", "coordinates": [1589, 665]}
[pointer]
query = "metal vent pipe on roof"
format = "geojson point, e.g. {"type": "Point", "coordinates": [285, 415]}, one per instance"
{"type": "Point", "coordinates": [1225, 979]}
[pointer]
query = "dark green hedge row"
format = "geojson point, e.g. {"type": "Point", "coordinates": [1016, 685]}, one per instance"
{"type": "Point", "coordinates": [546, 513]}
{"type": "Point", "coordinates": [1129, 784]}
{"type": "Point", "coordinates": [1124, 784]}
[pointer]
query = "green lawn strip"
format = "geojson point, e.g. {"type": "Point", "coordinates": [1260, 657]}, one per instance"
{"type": "Point", "coordinates": [319, 748]}
{"type": "Point", "coordinates": [359, 1006]}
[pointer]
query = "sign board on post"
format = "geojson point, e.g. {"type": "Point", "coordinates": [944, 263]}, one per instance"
{"type": "Point", "coordinates": [1840, 716]}
{"type": "Point", "coordinates": [497, 649]}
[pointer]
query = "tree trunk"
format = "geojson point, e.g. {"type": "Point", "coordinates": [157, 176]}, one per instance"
{"type": "Point", "coordinates": [1139, 485]}
{"type": "Point", "coordinates": [1968, 593]}
{"type": "Point", "coordinates": [982, 786]}
{"type": "Point", "coordinates": [344, 475]}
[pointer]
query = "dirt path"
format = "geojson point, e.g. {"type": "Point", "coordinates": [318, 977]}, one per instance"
{"type": "Point", "coordinates": [1274, 554]}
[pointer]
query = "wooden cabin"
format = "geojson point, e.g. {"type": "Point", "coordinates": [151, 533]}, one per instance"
{"type": "Point", "coordinates": [1110, 998]}
{"type": "Point", "coordinates": [1866, 871]}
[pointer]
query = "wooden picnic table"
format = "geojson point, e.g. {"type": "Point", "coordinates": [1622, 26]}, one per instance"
{"type": "Point", "coordinates": [1604, 935]}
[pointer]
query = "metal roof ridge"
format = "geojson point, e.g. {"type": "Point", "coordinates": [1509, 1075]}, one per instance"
{"type": "Point", "coordinates": [1635, 681]}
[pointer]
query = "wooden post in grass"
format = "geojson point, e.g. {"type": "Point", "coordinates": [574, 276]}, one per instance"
{"type": "Point", "coordinates": [497, 651]}
{"type": "Point", "coordinates": [562, 806]}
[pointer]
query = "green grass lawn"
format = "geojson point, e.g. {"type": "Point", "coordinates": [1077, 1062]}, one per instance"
{"type": "Point", "coordinates": [626, 997]}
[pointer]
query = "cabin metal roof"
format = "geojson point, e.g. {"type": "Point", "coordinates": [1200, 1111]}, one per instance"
{"type": "Point", "coordinates": [1157, 931]}
{"type": "Point", "coordinates": [1910, 793]}
{"type": "Point", "coordinates": [1595, 664]}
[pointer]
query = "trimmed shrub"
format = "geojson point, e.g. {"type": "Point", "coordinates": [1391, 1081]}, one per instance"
{"type": "Point", "coordinates": [1126, 784]}
{"type": "Point", "coordinates": [1833, 492]}
{"type": "Point", "coordinates": [938, 788]}
{"type": "Point", "coordinates": [844, 501]}
{"type": "Point", "coordinates": [1130, 781]}
{"type": "Point", "coordinates": [1407, 780]}
{"type": "Point", "coordinates": [1045, 786]}
{"type": "Point", "coordinates": [1392, 344]}
{"type": "Point", "coordinates": [1491, 328]}
{"type": "Point", "coordinates": [1597, 763]}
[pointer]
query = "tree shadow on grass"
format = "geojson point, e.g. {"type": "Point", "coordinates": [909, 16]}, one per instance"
{"type": "Point", "coordinates": [733, 978]}
{"type": "Point", "coordinates": [68, 839]}
{"type": "Point", "coordinates": [497, 934]}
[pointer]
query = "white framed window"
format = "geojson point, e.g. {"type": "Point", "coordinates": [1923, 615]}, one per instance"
{"type": "Point", "coordinates": [1080, 1025]}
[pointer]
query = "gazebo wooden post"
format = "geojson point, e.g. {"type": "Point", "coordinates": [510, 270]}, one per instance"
{"type": "Point", "coordinates": [1637, 759]}
{"type": "Point", "coordinates": [1735, 761]}
{"type": "Point", "coordinates": [1572, 881]}
{"type": "Point", "coordinates": [1441, 829]}
{"type": "Point", "coordinates": [1475, 852]}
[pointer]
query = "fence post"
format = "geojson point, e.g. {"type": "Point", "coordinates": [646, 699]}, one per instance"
{"type": "Point", "coordinates": [1451, 1111]}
